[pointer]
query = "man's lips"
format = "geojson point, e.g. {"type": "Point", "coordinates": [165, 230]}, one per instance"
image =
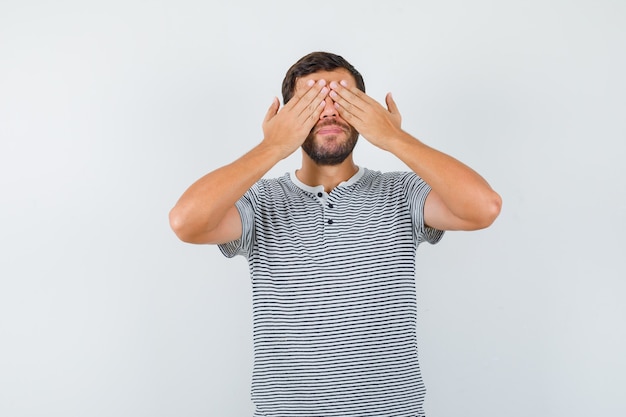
{"type": "Point", "coordinates": [331, 127]}
{"type": "Point", "coordinates": [330, 130]}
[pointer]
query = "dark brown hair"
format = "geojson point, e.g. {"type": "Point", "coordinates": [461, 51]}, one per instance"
{"type": "Point", "coordinates": [314, 62]}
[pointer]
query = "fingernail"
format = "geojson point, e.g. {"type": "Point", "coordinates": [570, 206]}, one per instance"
{"type": "Point", "coordinates": [322, 82]}
{"type": "Point", "coordinates": [310, 83]}
{"type": "Point", "coordinates": [324, 90]}
{"type": "Point", "coordinates": [333, 94]}
{"type": "Point", "coordinates": [344, 83]}
{"type": "Point", "coordinates": [333, 84]}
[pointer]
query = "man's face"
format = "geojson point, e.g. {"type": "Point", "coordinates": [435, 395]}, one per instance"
{"type": "Point", "coordinates": [332, 139]}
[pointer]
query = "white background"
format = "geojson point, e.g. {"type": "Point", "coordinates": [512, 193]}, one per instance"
{"type": "Point", "coordinates": [109, 110]}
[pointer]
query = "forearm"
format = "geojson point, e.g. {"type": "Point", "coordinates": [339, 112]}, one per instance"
{"type": "Point", "coordinates": [462, 201]}
{"type": "Point", "coordinates": [204, 204]}
{"type": "Point", "coordinates": [463, 191]}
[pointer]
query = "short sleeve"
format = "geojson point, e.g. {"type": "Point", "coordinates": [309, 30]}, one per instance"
{"type": "Point", "coordinates": [416, 191]}
{"type": "Point", "coordinates": [243, 245]}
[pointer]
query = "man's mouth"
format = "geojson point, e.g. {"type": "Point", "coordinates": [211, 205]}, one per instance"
{"type": "Point", "coordinates": [330, 130]}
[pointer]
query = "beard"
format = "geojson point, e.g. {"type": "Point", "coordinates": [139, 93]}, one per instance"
{"type": "Point", "coordinates": [330, 150]}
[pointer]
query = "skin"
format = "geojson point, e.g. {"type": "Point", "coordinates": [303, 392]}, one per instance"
{"type": "Point", "coordinates": [460, 198]}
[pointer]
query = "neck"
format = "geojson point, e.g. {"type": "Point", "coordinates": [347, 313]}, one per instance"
{"type": "Point", "coordinates": [327, 175]}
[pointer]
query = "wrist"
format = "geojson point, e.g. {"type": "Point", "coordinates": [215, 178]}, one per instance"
{"type": "Point", "coordinates": [396, 141]}
{"type": "Point", "coordinates": [274, 150]}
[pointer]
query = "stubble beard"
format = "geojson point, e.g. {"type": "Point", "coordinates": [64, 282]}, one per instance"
{"type": "Point", "coordinates": [328, 150]}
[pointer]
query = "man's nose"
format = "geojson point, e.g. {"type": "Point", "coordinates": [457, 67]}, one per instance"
{"type": "Point", "coordinates": [329, 109]}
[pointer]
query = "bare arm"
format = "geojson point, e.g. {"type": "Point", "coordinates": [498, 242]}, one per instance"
{"type": "Point", "coordinates": [460, 198]}
{"type": "Point", "coordinates": [206, 211]}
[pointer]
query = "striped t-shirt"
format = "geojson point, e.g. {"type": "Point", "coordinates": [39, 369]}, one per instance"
{"type": "Point", "coordinates": [333, 287]}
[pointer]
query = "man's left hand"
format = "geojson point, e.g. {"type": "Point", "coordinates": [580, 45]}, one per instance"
{"type": "Point", "coordinates": [375, 123]}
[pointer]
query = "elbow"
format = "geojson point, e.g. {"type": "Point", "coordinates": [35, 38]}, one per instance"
{"type": "Point", "coordinates": [491, 210]}
{"type": "Point", "coordinates": [176, 222]}
{"type": "Point", "coordinates": [187, 227]}
{"type": "Point", "coordinates": [179, 225]}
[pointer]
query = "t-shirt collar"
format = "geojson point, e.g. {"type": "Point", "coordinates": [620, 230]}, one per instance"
{"type": "Point", "coordinates": [294, 178]}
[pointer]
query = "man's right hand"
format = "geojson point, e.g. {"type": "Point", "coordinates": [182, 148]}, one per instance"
{"type": "Point", "coordinates": [288, 128]}
{"type": "Point", "coordinates": [206, 211]}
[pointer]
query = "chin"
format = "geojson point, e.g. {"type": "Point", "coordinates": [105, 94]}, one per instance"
{"type": "Point", "coordinates": [329, 154]}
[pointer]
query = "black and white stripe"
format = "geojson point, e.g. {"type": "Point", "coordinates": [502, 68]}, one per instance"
{"type": "Point", "coordinates": [334, 303]}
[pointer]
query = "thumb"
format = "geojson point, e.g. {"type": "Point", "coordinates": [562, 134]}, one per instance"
{"type": "Point", "coordinates": [391, 104]}
{"type": "Point", "coordinates": [271, 112]}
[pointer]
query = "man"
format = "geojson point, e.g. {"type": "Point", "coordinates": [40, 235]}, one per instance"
{"type": "Point", "coordinates": [331, 246]}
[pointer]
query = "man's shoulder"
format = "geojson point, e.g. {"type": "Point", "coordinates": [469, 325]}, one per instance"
{"type": "Point", "coordinates": [388, 176]}
{"type": "Point", "coordinates": [272, 181]}
{"type": "Point", "coordinates": [271, 185]}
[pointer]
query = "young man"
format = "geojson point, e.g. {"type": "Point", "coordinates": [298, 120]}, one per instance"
{"type": "Point", "coordinates": [331, 246]}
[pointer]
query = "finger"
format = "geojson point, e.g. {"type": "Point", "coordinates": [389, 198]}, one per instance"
{"type": "Point", "coordinates": [309, 120]}
{"type": "Point", "coordinates": [391, 104]}
{"type": "Point", "coordinates": [347, 114]}
{"type": "Point", "coordinates": [311, 100]}
{"type": "Point", "coordinates": [347, 109]}
{"type": "Point", "coordinates": [273, 109]}
{"type": "Point", "coordinates": [345, 90]}
{"type": "Point", "coordinates": [352, 101]}
{"type": "Point", "coordinates": [298, 94]}
{"type": "Point", "coordinates": [301, 94]}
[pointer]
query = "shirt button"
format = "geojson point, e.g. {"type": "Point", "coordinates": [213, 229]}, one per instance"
{"type": "Point", "coordinates": [330, 205]}
{"type": "Point", "coordinates": [319, 194]}
{"type": "Point", "coordinates": [330, 221]}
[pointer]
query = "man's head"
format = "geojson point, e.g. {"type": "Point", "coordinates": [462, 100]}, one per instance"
{"type": "Point", "coordinates": [332, 139]}
{"type": "Point", "coordinates": [315, 62]}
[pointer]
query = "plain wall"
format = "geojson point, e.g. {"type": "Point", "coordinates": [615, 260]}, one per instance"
{"type": "Point", "coordinates": [109, 110]}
